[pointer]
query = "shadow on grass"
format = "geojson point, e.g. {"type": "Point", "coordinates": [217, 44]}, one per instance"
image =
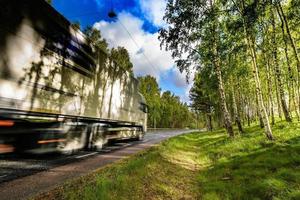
{"type": "Point", "coordinates": [247, 167]}
{"type": "Point", "coordinates": [266, 173]}
{"type": "Point", "coordinates": [197, 140]}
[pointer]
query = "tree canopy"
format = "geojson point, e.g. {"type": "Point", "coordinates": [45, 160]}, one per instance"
{"type": "Point", "coordinates": [246, 56]}
{"type": "Point", "coordinates": [165, 109]}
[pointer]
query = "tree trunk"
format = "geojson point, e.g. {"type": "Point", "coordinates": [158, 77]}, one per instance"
{"type": "Point", "coordinates": [258, 114]}
{"type": "Point", "coordinates": [251, 47]}
{"type": "Point", "coordinates": [277, 97]}
{"type": "Point", "coordinates": [280, 10]}
{"type": "Point", "coordinates": [217, 68]}
{"type": "Point", "coordinates": [290, 72]}
{"type": "Point", "coordinates": [281, 13]}
{"type": "Point", "coordinates": [235, 110]}
{"type": "Point", "coordinates": [298, 90]}
{"type": "Point", "coordinates": [270, 93]}
{"type": "Point", "coordinates": [240, 103]}
{"type": "Point", "coordinates": [261, 106]}
{"type": "Point", "coordinates": [208, 122]}
{"type": "Point", "coordinates": [227, 119]}
{"type": "Point", "coordinates": [295, 104]}
{"type": "Point", "coordinates": [278, 74]}
{"type": "Point", "coordinates": [248, 116]}
{"type": "Point", "coordinates": [266, 56]}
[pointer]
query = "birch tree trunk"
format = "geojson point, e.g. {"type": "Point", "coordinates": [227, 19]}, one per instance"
{"type": "Point", "coordinates": [261, 106]}
{"type": "Point", "coordinates": [248, 112]}
{"type": "Point", "coordinates": [266, 55]}
{"type": "Point", "coordinates": [278, 74]}
{"type": "Point", "coordinates": [226, 115]}
{"type": "Point", "coordinates": [277, 96]}
{"type": "Point", "coordinates": [208, 122]}
{"type": "Point", "coordinates": [290, 72]}
{"type": "Point", "coordinates": [251, 47]}
{"type": "Point", "coordinates": [217, 68]}
{"type": "Point", "coordinates": [270, 93]}
{"type": "Point", "coordinates": [258, 113]}
{"type": "Point", "coordinates": [291, 78]}
{"type": "Point", "coordinates": [235, 109]}
{"type": "Point", "coordinates": [281, 13]}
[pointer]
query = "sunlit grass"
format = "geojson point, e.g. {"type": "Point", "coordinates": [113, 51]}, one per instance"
{"type": "Point", "coordinates": [250, 167]}
{"type": "Point", "coordinates": [206, 165]}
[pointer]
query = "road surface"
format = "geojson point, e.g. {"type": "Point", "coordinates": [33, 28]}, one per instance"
{"type": "Point", "coordinates": [25, 177]}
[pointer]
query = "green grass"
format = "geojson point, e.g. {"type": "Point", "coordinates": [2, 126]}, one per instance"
{"type": "Point", "coordinates": [201, 166]}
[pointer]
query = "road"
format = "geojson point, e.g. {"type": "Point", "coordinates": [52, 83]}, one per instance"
{"type": "Point", "coordinates": [25, 177]}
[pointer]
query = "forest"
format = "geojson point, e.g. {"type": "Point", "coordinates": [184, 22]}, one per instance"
{"type": "Point", "coordinates": [246, 55]}
{"type": "Point", "coordinates": [165, 109]}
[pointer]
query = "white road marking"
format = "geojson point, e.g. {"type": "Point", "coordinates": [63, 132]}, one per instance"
{"type": "Point", "coordinates": [126, 145]}
{"type": "Point", "coordinates": [3, 176]}
{"type": "Point", "coordinates": [86, 155]}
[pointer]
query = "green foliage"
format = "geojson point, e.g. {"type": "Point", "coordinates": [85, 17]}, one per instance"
{"type": "Point", "coordinates": [165, 110]}
{"type": "Point", "coordinates": [121, 56]}
{"type": "Point", "coordinates": [256, 46]}
{"type": "Point", "coordinates": [204, 92]}
{"type": "Point", "coordinates": [96, 41]}
{"type": "Point", "coordinates": [151, 91]}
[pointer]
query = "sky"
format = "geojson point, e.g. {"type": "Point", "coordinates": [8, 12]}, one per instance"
{"type": "Point", "coordinates": [135, 28]}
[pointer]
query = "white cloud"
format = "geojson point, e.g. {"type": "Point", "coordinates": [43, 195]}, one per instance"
{"type": "Point", "coordinates": [155, 61]}
{"type": "Point", "coordinates": [154, 11]}
{"type": "Point", "coordinates": [179, 79]}
{"type": "Point", "coordinates": [185, 97]}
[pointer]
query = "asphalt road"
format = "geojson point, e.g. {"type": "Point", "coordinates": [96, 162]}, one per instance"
{"type": "Point", "coordinates": [25, 177]}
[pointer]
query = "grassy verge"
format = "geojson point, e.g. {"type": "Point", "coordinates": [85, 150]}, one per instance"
{"type": "Point", "coordinates": [201, 166]}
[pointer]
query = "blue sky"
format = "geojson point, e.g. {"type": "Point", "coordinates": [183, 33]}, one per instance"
{"type": "Point", "coordinates": [142, 19]}
{"type": "Point", "coordinates": [87, 12]}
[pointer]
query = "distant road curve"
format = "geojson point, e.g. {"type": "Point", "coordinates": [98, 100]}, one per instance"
{"type": "Point", "coordinates": [26, 177]}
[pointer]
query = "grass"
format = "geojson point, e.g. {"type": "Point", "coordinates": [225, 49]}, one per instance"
{"type": "Point", "coordinates": [206, 165]}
